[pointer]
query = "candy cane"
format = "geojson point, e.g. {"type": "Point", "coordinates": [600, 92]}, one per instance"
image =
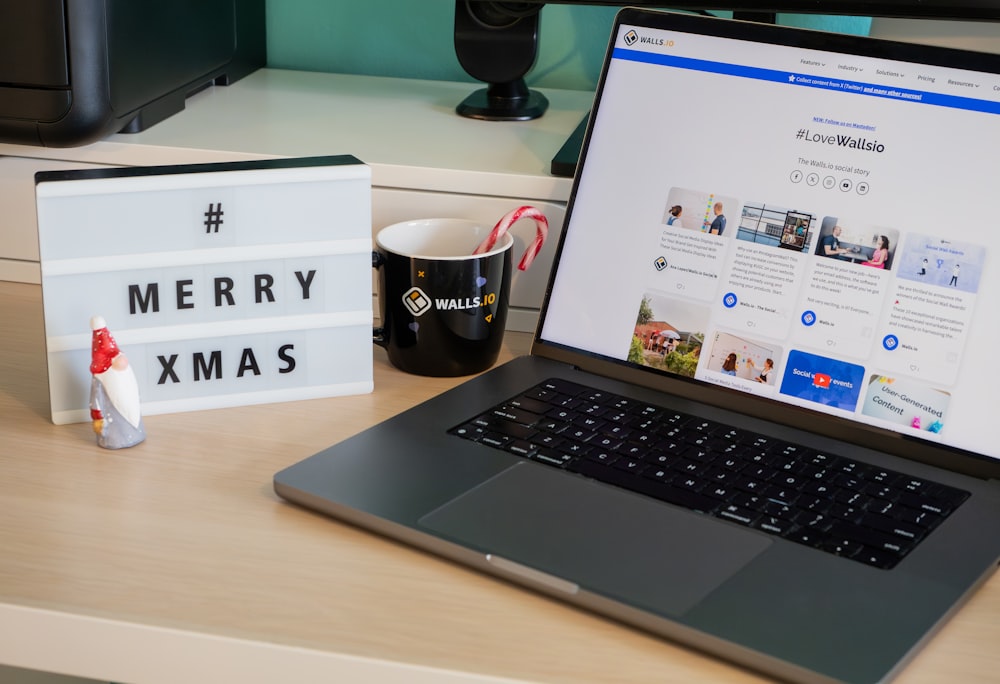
{"type": "Point", "coordinates": [504, 224]}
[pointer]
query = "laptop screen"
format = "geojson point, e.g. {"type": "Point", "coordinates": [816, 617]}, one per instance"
{"type": "Point", "coordinates": [809, 219]}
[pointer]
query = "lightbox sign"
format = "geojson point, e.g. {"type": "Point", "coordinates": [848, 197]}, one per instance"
{"type": "Point", "coordinates": [225, 284]}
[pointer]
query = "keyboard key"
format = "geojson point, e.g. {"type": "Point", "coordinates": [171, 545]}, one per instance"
{"type": "Point", "coordinates": [495, 439]}
{"type": "Point", "coordinates": [739, 515]}
{"type": "Point", "coordinates": [535, 406]}
{"type": "Point", "coordinates": [935, 505]}
{"type": "Point", "coordinates": [807, 536]}
{"type": "Point", "coordinates": [876, 558]}
{"type": "Point", "coordinates": [717, 491]}
{"type": "Point", "coordinates": [873, 538]}
{"type": "Point", "coordinates": [927, 521]}
{"type": "Point", "coordinates": [547, 440]}
{"type": "Point", "coordinates": [571, 448]}
{"type": "Point", "coordinates": [602, 456]}
{"type": "Point", "coordinates": [521, 448]}
{"type": "Point", "coordinates": [630, 465]}
{"type": "Point", "coordinates": [659, 474]}
{"type": "Point", "coordinates": [552, 425]}
{"type": "Point", "coordinates": [607, 442]}
{"type": "Point", "coordinates": [515, 415]}
{"type": "Point", "coordinates": [776, 526]}
{"type": "Point", "coordinates": [468, 431]}
{"type": "Point", "coordinates": [513, 430]}
{"type": "Point", "coordinates": [841, 547]}
{"type": "Point", "coordinates": [897, 528]}
{"type": "Point", "coordinates": [551, 457]}
{"type": "Point", "coordinates": [747, 500]}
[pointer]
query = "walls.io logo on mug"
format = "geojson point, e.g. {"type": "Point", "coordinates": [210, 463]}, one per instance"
{"type": "Point", "coordinates": [416, 301]}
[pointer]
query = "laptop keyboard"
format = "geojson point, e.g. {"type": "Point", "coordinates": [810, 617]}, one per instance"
{"type": "Point", "coordinates": [835, 504]}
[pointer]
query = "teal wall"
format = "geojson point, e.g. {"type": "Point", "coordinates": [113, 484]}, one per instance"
{"type": "Point", "coordinates": [413, 39]}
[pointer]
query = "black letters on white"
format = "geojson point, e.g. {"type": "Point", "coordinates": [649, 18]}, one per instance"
{"type": "Point", "coordinates": [146, 298]}
{"type": "Point", "coordinates": [211, 366]}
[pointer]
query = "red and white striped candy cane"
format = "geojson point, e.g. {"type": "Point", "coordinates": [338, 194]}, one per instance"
{"type": "Point", "coordinates": [504, 224]}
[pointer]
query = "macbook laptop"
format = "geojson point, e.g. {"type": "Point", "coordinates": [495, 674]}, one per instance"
{"type": "Point", "coordinates": [757, 414]}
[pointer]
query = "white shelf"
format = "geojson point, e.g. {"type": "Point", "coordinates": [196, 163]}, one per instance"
{"type": "Point", "coordinates": [405, 129]}
{"type": "Point", "coordinates": [425, 159]}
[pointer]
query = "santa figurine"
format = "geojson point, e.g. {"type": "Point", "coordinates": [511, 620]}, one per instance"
{"type": "Point", "coordinates": [114, 393]}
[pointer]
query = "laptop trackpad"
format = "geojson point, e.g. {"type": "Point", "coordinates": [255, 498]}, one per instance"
{"type": "Point", "coordinates": [607, 541]}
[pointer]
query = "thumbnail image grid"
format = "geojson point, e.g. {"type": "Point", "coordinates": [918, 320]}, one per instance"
{"type": "Point", "coordinates": [696, 210]}
{"type": "Point", "coordinates": [668, 335]}
{"type": "Point", "coordinates": [744, 358]}
{"type": "Point", "coordinates": [857, 242]}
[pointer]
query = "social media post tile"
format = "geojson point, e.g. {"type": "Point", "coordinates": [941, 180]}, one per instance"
{"type": "Point", "coordinates": [700, 211]}
{"type": "Point", "coordinates": [741, 362]}
{"type": "Point", "coordinates": [845, 289]}
{"type": "Point", "coordinates": [687, 263]}
{"type": "Point", "coordinates": [839, 310]}
{"type": "Point", "coordinates": [925, 325]}
{"type": "Point", "coordinates": [776, 226]}
{"type": "Point", "coordinates": [765, 266]}
{"type": "Point", "coordinates": [856, 241]}
{"type": "Point", "coordinates": [760, 289]}
{"type": "Point", "coordinates": [815, 379]}
{"type": "Point", "coordinates": [948, 264]}
{"type": "Point", "coordinates": [924, 331]}
{"type": "Point", "coordinates": [906, 404]}
{"type": "Point", "coordinates": [668, 334]}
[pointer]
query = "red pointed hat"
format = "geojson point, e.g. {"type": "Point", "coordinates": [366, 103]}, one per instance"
{"type": "Point", "coordinates": [103, 349]}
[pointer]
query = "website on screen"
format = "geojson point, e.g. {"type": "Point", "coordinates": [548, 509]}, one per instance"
{"type": "Point", "coordinates": [817, 228]}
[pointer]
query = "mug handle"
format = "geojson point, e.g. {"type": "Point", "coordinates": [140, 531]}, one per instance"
{"type": "Point", "coordinates": [378, 334]}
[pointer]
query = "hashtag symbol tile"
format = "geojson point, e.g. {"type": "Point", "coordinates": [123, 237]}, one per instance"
{"type": "Point", "coordinates": [213, 218]}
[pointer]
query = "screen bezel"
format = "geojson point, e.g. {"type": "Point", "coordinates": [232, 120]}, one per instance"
{"type": "Point", "coordinates": [895, 443]}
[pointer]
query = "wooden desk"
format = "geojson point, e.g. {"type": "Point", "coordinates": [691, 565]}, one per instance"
{"type": "Point", "coordinates": [175, 562]}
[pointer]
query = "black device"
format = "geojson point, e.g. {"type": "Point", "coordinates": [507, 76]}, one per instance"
{"type": "Point", "coordinates": [75, 71]}
{"type": "Point", "coordinates": [497, 42]}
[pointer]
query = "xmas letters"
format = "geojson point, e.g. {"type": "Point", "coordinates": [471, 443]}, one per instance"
{"type": "Point", "coordinates": [212, 367]}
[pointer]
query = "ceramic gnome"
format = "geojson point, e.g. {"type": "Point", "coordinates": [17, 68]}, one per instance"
{"type": "Point", "coordinates": [114, 392]}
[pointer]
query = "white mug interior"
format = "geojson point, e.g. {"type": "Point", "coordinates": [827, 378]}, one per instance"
{"type": "Point", "coordinates": [439, 239]}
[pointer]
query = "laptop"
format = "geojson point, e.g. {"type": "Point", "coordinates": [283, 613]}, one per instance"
{"type": "Point", "coordinates": [756, 417]}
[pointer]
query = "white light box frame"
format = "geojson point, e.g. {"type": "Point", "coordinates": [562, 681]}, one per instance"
{"type": "Point", "coordinates": [225, 284]}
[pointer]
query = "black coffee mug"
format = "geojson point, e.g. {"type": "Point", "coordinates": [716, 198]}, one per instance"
{"type": "Point", "coordinates": [443, 309]}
